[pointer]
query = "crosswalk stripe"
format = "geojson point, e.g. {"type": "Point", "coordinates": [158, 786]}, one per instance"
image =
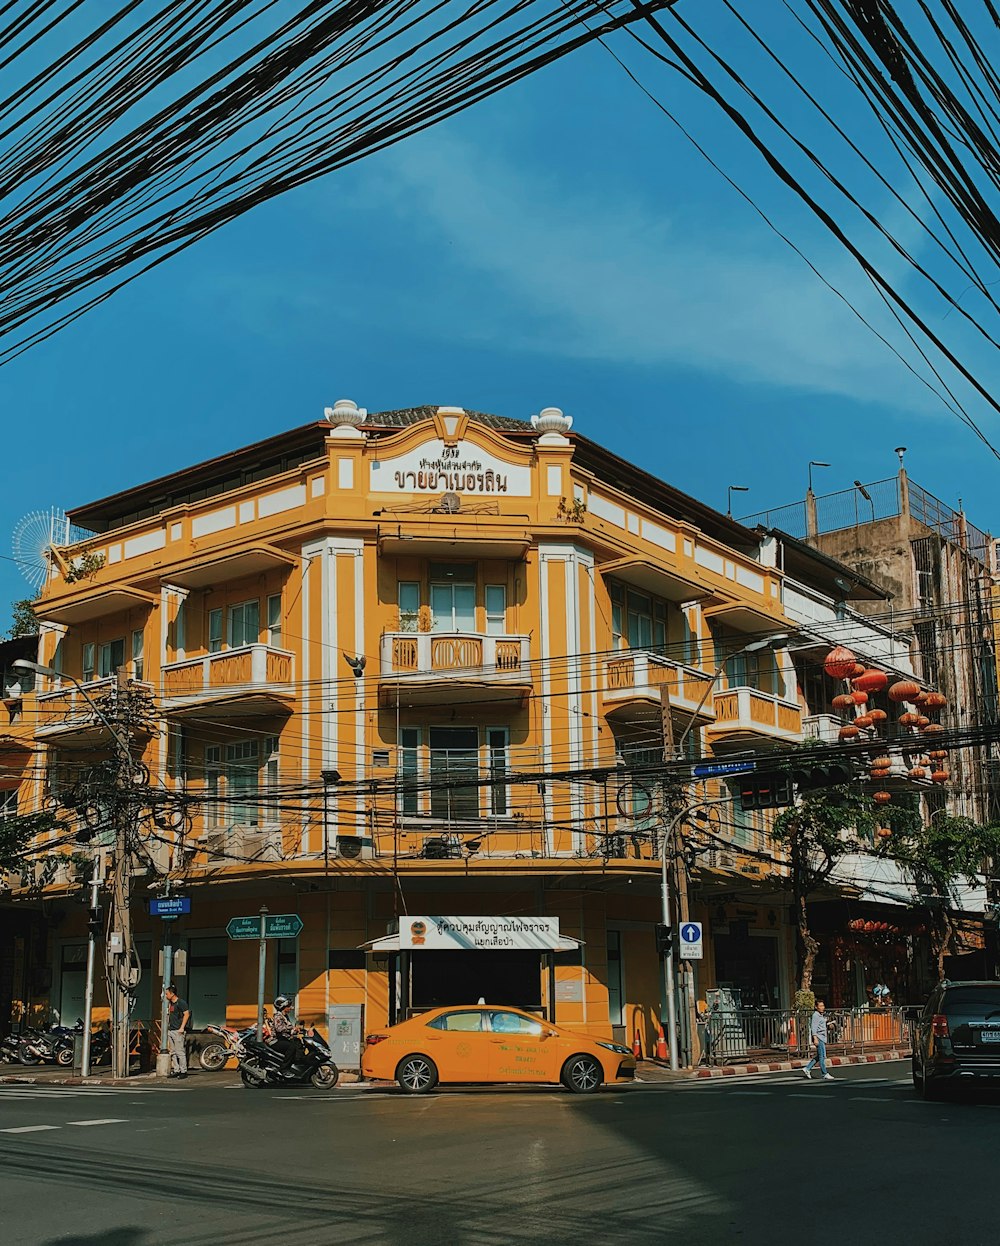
{"type": "Point", "coordinates": [107, 1120]}
{"type": "Point", "coordinates": [27, 1129]}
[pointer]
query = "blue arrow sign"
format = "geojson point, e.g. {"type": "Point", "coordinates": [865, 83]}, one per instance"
{"type": "Point", "coordinates": [691, 932]}
{"type": "Point", "coordinates": [691, 945]}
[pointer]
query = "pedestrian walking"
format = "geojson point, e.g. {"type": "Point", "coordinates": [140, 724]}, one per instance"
{"type": "Point", "coordinates": [817, 1039]}
{"type": "Point", "coordinates": [178, 1016]}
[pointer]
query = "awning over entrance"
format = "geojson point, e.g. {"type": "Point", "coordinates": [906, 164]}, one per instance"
{"type": "Point", "coordinates": [475, 934]}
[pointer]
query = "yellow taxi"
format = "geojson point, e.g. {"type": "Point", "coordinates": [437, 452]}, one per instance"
{"type": "Point", "coordinates": [476, 1043]}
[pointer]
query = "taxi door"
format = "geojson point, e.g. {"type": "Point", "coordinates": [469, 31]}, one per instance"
{"type": "Point", "coordinates": [520, 1049]}
{"type": "Point", "coordinates": [458, 1043]}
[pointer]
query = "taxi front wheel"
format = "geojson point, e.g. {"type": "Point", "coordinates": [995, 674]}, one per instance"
{"type": "Point", "coordinates": [582, 1075]}
{"type": "Point", "coordinates": [416, 1075]}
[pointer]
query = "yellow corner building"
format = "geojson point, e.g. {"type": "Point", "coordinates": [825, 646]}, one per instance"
{"type": "Point", "coordinates": [399, 665]}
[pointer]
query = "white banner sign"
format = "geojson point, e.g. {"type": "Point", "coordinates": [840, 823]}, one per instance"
{"type": "Point", "coordinates": [438, 468]}
{"type": "Point", "coordinates": [484, 934]}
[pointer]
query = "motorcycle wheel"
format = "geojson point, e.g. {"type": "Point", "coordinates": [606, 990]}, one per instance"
{"type": "Point", "coordinates": [252, 1079]}
{"type": "Point", "coordinates": [27, 1057]}
{"type": "Point", "coordinates": [64, 1057]}
{"type": "Point", "coordinates": [326, 1076]}
{"type": "Point", "coordinates": [213, 1057]}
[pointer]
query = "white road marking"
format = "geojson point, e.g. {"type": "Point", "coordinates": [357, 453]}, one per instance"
{"type": "Point", "coordinates": [107, 1120]}
{"type": "Point", "coordinates": [27, 1129]}
{"type": "Point", "coordinates": [871, 1099]}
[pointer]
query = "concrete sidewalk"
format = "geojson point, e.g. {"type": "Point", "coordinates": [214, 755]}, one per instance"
{"type": "Point", "coordinates": [655, 1071]}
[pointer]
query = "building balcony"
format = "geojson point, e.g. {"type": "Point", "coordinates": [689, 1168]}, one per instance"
{"type": "Point", "coordinates": [634, 680]}
{"type": "Point", "coordinates": [424, 668]}
{"type": "Point", "coordinates": [825, 727]}
{"type": "Point", "coordinates": [744, 715]}
{"type": "Point", "coordinates": [65, 716]}
{"type": "Point", "coordinates": [234, 683]}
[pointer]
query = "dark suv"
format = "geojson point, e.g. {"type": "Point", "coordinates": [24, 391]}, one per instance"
{"type": "Point", "coordinates": [957, 1038]}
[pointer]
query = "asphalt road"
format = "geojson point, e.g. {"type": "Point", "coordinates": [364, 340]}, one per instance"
{"type": "Point", "coordinates": [764, 1160]}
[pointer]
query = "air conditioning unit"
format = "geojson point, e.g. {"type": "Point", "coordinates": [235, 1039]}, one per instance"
{"type": "Point", "coordinates": [355, 848]}
{"type": "Point", "coordinates": [243, 845]}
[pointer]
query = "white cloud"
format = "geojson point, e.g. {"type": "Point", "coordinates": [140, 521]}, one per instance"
{"type": "Point", "coordinates": [601, 274]}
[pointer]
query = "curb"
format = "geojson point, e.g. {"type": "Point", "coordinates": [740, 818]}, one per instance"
{"type": "Point", "coordinates": [20, 1080]}
{"type": "Point", "coordinates": [787, 1066]}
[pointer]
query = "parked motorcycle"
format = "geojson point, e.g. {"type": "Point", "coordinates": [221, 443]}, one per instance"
{"type": "Point", "coordinates": [262, 1065]}
{"type": "Point", "coordinates": [55, 1046]}
{"type": "Point", "coordinates": [228, 1044]}
{"type": "Point", "coordinates": [51, 1046]}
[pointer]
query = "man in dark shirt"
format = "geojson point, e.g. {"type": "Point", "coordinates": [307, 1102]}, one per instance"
{"type": "Point", "coordinates": [284, 1032]}
{"type": "Point", "coordinates": [178, 1016]}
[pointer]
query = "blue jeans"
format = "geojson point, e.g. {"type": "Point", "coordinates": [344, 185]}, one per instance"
{"type": "Point", "coordinates": [820, 1056]}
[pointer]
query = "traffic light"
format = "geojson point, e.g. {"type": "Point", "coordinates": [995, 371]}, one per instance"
{"type": "Point", "coordinates": [828, 774]}
{"type": "Point", "coordinates": [664, 938]}
{"type": "Point", "coordinates": [765, 791]}
{"type": "Point", "coordinates": [94, 919]}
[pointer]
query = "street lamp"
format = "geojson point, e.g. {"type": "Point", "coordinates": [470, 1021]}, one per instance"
{"type": "Point", "coordinates": [729, 497]}
{"type": "Point", "coordinates": [814, 463]}
{"type": "Point", "coordinates": [772, 642]}
{"type": "Point", "coordinates": [122, 746]}
{"type": "Point", "coordinates": [866, 495]}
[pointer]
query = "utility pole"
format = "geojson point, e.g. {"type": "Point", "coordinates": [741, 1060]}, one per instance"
{"type": "Point", "coordinates": [93, 925]}
{"type": "Point", "coordinates": [119, 951]}
{"type": "Point", "coordinates": [163, 1055]}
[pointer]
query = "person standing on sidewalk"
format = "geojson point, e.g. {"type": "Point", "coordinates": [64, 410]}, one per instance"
{"type": "Point", "coordinates": [178, 1016]}
{"type": "Point", "coordinates": [817, 1038]}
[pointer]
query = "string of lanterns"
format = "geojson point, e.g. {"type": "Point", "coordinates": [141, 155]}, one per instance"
{"type": "Point", "coordinates": [919, 711]}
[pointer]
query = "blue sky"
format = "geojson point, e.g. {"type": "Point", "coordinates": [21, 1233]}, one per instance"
{"type": "Point", "coordinates": [560, 245]}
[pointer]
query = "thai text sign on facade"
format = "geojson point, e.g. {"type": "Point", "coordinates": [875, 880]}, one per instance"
{"type": "Point", "coordinates": [436, 467]}
{"type": "Point", "coordinates": [484, 934]}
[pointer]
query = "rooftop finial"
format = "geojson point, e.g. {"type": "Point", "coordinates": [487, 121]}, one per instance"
{"type": "Point", "coordinates": [552, 425]}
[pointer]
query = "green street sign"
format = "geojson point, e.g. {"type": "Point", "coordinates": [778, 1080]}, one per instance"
{"type": "Point", "coordinates": [283, 926]}
{"type": "Point", "coordinates": [276, 926]}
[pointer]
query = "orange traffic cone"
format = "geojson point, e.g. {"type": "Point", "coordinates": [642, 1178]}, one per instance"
{"type": "Point", "coordinates": [661, 1045]}
{"type": "Point", "coordinates": [637, 1047]}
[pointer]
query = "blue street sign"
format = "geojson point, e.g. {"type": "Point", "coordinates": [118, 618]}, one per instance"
{"type": "Point", "coordinates": [709, 770]}
{"type": "Point", "coordinates": [170, 906]}
{"type": "Point", "coordinates": [691, 932]}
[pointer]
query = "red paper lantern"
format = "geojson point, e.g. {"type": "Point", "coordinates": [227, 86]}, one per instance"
{"type": "Point", "coordinates": [859, 698]}
{"type": "Point", "coordinates": [877, 716]}
{"type": "Point", "coordinates": [880, 772]}
{"type": "Point", "coordinates": [903, 690]}
{"type": "Point", "coordinates": [909, 720]}
{"type": "Point", "coordinates": [881, 763]}
{"type": "Point", "coordinates": [882, 798]}
{"type": "Point", "coordinates": [918, 772]}
{"type": "Point", "coordinates": [871, 681]}
{"type": "Point", "coordinates": [937, 754]}
{"type": "Point", "coordinates": [920, 698]}
{"type": "Point", "coordinates": [922, 720]}
{"type": "Point", "coordinates": [933, 729]}
{"type": "Point", "coordinates": [848, 732]}
{"type": "Point", "coordinates": [843, 701]}
{"type": "Point", "coordinates": [864, 721]}
{"type": "Point", "coordinates": [939, 776]}
{"type": "Point", "coordinates": [935, 700]}
{"type": "Point", "coordinates": [839, 663]}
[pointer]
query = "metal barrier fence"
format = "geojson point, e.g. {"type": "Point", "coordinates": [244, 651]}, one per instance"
{"type": "Point", "coordinates": [751, 1034]}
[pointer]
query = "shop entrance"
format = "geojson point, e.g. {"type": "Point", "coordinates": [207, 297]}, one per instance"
{"type": "Point", "coordinates": [748, 964]}
{"type": "Point", "coordinates": [439, 978]}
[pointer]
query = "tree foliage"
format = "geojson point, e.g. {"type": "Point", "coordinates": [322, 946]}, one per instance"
{"type": "Point", "coordinates": [17, 833]}
{"type": "Point", "coordinates": [938, 855]}
{"type": "Point", "coordinates": [23, 621]}
{"type": "Point", "coordinates": [826, 825]}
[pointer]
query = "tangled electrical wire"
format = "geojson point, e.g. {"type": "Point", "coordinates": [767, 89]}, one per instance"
{"type": "Point", "coordinates": [124, 143]}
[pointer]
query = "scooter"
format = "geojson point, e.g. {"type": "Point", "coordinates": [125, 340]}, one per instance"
{"type": "Point", "coordinates": [261, 1065]}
